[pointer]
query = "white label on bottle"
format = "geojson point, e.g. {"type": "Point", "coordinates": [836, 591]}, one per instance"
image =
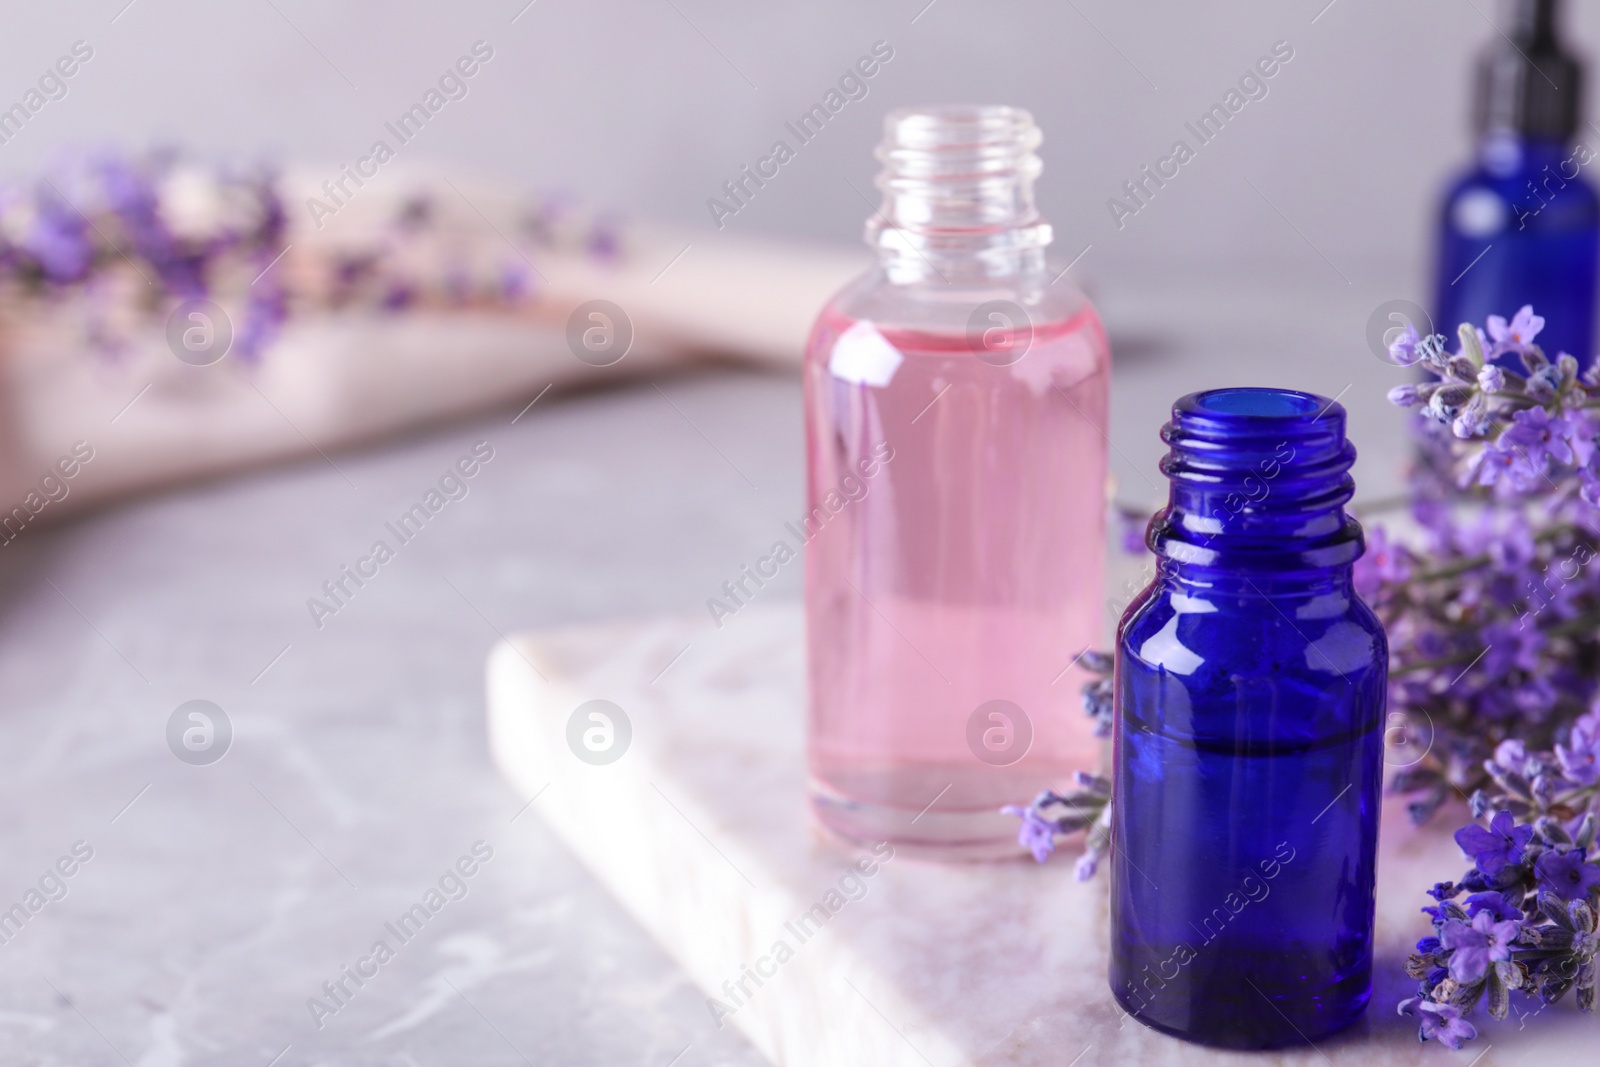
{"type": "Point", "coordinates": [862, 355]}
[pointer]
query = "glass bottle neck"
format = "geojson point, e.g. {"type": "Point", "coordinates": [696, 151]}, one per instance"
{"type": "Point", "coordinates": [958, 202]}
{"type": "Point", "coordinates": [1259, 480]}
{"type": "Point", "coordinates": [1226, 578]}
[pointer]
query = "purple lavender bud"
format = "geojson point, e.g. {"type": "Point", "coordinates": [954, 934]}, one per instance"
{"type": "Point", "coordinates": [1403, 351]}
{"type": "Point", "coordinates": [1087, 865]}
{"type": "Point", "coordinates": [1430, 351]}
{"type": "Point", "coordinates": [1446, 402]}
{"type": "Point", "coordinates": [1474, 418]}
{"type": "Point", "coordinates": [514, 281]}
{"type": "Point", "coordinates": [1492, 379]}
{"type": "Point", "coordinates": [1098, 704]}
{"type": "Point", "coordinates": [1036, 834]}
{"type": "Point", "coordinates": [1545, 788]}
{"type": "Point", "coordinates": [1404, 396]}
{"type": "Point", "coordinates": [603, 243]}
{"type": "Point", "coordinates": [1548, 828]}
{"type": "Point", "coordinates": [398, 296]}
{"type": "Point", "coordinates": [1096, 662]}
{"type": "Point", "coordinates": [1567, 368]}
{"type": "Point", "coordinates": [1542, 384]}
{"type": "Point", "coordinates": [1092, 783]}
{"type": "Point", "coordinates": [1591, 488]}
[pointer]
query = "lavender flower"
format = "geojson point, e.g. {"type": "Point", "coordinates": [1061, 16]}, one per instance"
{"type": "Point", "coordinates": [58, 241]}
{"type": "Point", "coordinates": [1502, 844]}
{"type": "Point", "coordinates": [1566, 874]}
{"type": "Point", "coordinates": [1509, 647]}
{"type": "Point", "coordinates": [1037, 835]}
{"type": "Point", "coordinates": [1504, 467]}
{"type": "Point", "coordinates": [1474, 418]}
{"type": "Point", "coordinates": [1512, 755]}
{"type": "Point", "coordinates": [1477, 944]}
{"type": "Point", "coordinates": [1441, 1022]}
{"type": "Point", "coordinates": [1405, 396]}
{"type": "Point", "coordinates": [1403, 350]}
{"type": "Point", "coordinates": [1495, 639]}
{"type": "Point", "coordinates": [1385, 563]}
{"type": "Point", "coordinates": [1087, 866]}
{"type": "Point", "coordinates": [1543, 385]}
{"type": "Point", "coordinates": [1098, 694]}
{"type": "Point", "coordinates": [1580, 756]}
{"type": "Point", "coordinates": [1516, 336]}
{"type": "Point", "coordinates": [1500, 907]}
{"type": "Point", "coordinates": [1088, 807]}
{"type": "Point", "coordinates": [1581, 435]}
{"type": "Point", "coordinates": [1539, 435]}
{"type": "Point", "coordinates": [192, 231]}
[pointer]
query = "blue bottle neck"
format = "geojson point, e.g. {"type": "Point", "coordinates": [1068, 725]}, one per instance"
{"type": "Point", "coordinates": [1259, 480]}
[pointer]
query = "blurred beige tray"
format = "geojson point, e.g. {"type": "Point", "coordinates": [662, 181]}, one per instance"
{"type": "Point", "coordinates": [699, 830]}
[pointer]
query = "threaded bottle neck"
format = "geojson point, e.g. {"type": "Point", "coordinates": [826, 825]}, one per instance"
{"type": "Point", "coordinates": [1259, 480]}
{"type": "Point", "coordinates": [957, 187]}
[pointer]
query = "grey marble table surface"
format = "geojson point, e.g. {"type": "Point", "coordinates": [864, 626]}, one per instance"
{"type": "Point", "coordinates": [218, 899]}
{"type": "Point", "coordinates": [220, 904]}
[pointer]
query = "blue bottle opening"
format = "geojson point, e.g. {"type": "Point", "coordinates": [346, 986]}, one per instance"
{"type": "Point", "coordinates": [1258, 403]}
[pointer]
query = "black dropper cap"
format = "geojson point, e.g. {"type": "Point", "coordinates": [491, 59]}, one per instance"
{"type": "Point", "coordinates": [1528, 83]}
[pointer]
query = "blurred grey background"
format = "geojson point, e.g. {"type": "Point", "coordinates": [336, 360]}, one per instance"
{"type": "Point", "coordinates": [647, 106]}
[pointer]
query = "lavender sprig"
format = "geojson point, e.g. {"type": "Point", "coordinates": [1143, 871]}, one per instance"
{"type": "Point", "coordinates": [1052, 815]}
{"type": "Point", "coordinates": [175, 231]}
{"type": "Point", "coordinates": [1528, 920]}
{"type": "Point", "coordinates": [1494, 616]}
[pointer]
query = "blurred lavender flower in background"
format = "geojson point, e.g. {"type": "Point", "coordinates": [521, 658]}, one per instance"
{"type": "Point", "coordinates": [133, 236]}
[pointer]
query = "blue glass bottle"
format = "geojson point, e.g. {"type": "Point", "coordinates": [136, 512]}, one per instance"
{"type": "Point", "coordinates": [1250, 684]}
{"type": "Point", "coordinates": [1522, 226]}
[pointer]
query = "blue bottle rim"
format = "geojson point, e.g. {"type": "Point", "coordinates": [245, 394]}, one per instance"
{"type": "Point", "coordinates": [1225, 441]}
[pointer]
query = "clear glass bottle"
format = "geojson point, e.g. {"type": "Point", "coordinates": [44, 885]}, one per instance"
{"type": "Point", "coordinates": [1248, 736]}
{"type": "Point", "coordinates": [956, 400]}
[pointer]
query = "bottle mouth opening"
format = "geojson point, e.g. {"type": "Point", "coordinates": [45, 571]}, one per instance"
{"type": "Point", "coordinates": [954, 126]}
{"type": "Point", "coordinates": [1256, 403]}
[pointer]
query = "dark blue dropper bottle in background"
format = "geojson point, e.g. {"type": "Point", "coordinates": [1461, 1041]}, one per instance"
{"type": "Point", "coordinates": [1523, 225]}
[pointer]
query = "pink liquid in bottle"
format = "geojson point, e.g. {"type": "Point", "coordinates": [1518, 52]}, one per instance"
{"type": "Point", "coordinates": [967, 569]}
{"type": "Point", "coordinates": [956, 511]}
